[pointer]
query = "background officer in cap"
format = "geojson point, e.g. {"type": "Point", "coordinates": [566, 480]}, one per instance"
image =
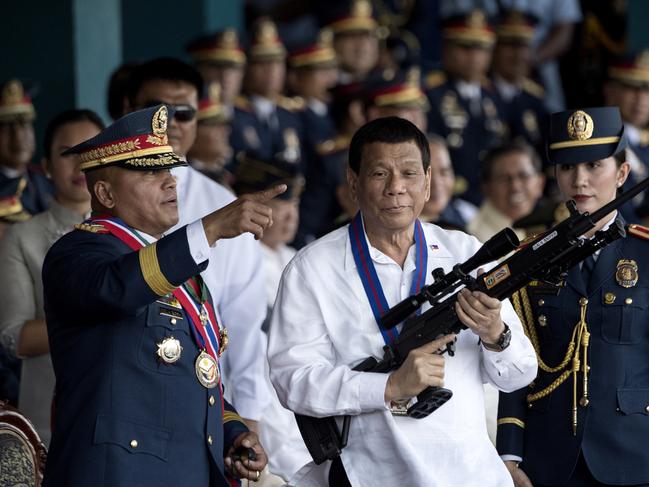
{"type": "Point", "coordinates": [466, 110]}
{"type": "Point", "coordinates": [220, 59]}
{"type": "Point", "coordinates": [356, 38]}
{"type": "Point", "coordinates": [521, 98]}
{"type": "Point", "coordinates": [134, 337]}
{"type": "Point", "coordinates": [17, 147]}
{"type": "Point", "coordinates": [266, 123]}
{"type": "Point", "coordinates": [627, 88]}
{"type": "Point", "coordinates": [582, 422]}
{"type": "Point", "coordinates": [211, 150]}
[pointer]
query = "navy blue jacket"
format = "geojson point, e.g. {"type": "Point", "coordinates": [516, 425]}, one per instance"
{"type": "Point", "coordinates": [469, 136]}
{"type": "Point", "coordinates": [613, 428]}
{"type": "Point", "coordinates": [122, 417]}
{"type": "Point", "coordinates": [284, 140]}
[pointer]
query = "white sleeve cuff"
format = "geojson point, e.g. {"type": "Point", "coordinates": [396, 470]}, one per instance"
{"type": "Point", "coordinates": [372, 391]}
{"type": "Point", "coordinates": [511, 458]}
{"type": "Point", "coordinates": [198, 245]}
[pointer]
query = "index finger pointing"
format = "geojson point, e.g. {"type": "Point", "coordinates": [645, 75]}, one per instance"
{"type": "Point", "coordinates": [269, 194]}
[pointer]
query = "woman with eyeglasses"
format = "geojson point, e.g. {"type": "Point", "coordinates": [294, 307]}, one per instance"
{"type": "Point", "coordinates": [584, 420]}
{"type": "Point", "coordinates": [22, 322]}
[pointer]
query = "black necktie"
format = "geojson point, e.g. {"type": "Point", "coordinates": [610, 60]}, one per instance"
{"type": "Point", "coordinates": [587, 267]}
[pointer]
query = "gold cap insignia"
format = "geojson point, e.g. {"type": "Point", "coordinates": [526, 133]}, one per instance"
{"type": "Point", "coordinates": [325, 38]}
{"type": "Point", "coordinates": [626, 273]}
{"type": "Point", "coordinates": [13, 92]}
{"type": "Point", "coordinates": [476, 19]}
{"type": "Point", "coordinates": [642, 60]}
{"type": "Point", "coordinates": [214, 93]}
{"type": "Point", "coordinates": [229, 38]}
{"type": "Point", "coordinates": [361, 8]}
{"type": "Point", "coordinates": [580, 126]}
{"type": "Point", "coordinates": [159, 122]}
{"type": "Point", "coordinates": [267, 32]}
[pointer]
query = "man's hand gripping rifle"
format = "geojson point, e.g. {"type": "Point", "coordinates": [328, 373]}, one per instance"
{"type": "Point", "coordinates": [547, 257]}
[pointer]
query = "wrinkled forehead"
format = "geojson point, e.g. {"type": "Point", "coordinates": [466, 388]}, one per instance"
{"type": "Point", "coordinates": [397, 154]}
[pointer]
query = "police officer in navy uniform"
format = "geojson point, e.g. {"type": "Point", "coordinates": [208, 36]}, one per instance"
{"type": "Point", "coordinates": [134, 337]}
{"type": "Point", "coordinates": [583, 420]}
{"type": "Point", "coordinates": [313, 71]}
{"type": "Point", "coordinates": [627, 87]}
{"type": "Point", "coordinates": [17, 148]}
{"type": "Point", "coordinates": [521, 98]}
{"type": "Point", "coordinates": [266, 123]}
{"type": "Point", "coordinates": [465, 108]}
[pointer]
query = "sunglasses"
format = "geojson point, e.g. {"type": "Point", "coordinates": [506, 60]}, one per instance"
{"type": "Point", "coordinates": [182, 113]}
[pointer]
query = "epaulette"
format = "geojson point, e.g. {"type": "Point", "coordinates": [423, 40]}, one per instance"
{"type": "Point", "coordinates": [639, 231]}
{"type": "Point", "coordinates": [92, 228]}
{"type": "Point", "coordinates": [291, 104]}
{"type": "Point", "coordinates": [242, 103]}
{"type": "Point", "coordinates": [644, 137]}
{"type": "Point", "coordinates": [434, 79]}
{"type": "Point", "coordinates": [331, 146]}
{"type": "Point", "coordinates": [533, 88]}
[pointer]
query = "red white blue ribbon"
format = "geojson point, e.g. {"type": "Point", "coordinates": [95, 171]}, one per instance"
{"type": "Point", "coordinates": [370, 279]}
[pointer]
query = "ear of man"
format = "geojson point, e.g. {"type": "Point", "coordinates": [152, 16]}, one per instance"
{"type": "Point", "coordinates": [100, 186]}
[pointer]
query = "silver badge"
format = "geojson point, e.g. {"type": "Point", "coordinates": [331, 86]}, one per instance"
{"type": "Point", "coordinates": [169, 350]}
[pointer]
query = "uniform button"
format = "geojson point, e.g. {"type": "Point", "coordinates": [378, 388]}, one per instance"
{"type": "Point", "coordinates": [583, 301]}
{"type": "Point", "coordinates": [541, 302]}
{"type": "Point", "coordinates": [609, 298]}
{"type": "Point", "coordinates": [133, 443]}
{"type": "Point", "coordinates": [212, 401]}
{"type": "Point", "coordinates": [543, 320]}
{"type": "Point", "coordinates": [628, 301]}
{"type": "Point", "coordinates": [173, 321]}
{"type": "Point", "coordinates": [209, 439]}
{"type": "Point", "coordinates": [647, 409]}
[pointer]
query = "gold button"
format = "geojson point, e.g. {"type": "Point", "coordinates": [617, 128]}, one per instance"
{"type": "Point", "coordinates": [541, 302]}
{"type": "Point", "coordinates": [583, 402]}
{"type": "Point", "coordinates": [173, 321]}
{"type": "Point", "coordinates": [209, 439]}
{"type": "Point", "coordinates": [543, 320]}
{"type": "Point", "coordinates": [583, 301]}
{"type": "Point", "coordinates": [628, 301]}
{"type": "Point", "coordinates": [212, 401]}
{"type": "Point", "coordinates": [133, 443]}
{"type": "Point", "coordinates": [609, 298]}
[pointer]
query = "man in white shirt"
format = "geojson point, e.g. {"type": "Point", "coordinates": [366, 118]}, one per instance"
{"type": "Point", "coordinates": [324, 323]}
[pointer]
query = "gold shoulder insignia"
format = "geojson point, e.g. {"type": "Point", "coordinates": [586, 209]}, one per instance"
{"type": "Point", "coordinates": [89, 227]}
{"type": "Point", "coordinates": [242, 103]}
{"type": "Point", "coordinates": [639, 231]}
{"type": "Point", "coordinates": [291, 104]}
{"type": "Point", "coordinates": [533, 88]}
{"type": "Point", "coordinates": [644, 137]}
{"type": "Point", "coordinates": [331, 146]}
{"type": "Point", "coordinates": [434, 79]}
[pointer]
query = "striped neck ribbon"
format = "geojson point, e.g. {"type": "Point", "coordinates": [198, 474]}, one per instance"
{"type": "Point", "coordinates": [370, 279]}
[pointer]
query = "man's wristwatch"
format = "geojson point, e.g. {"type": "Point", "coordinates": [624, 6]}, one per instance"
{"type": "Point", "coordinates": [502, 343]}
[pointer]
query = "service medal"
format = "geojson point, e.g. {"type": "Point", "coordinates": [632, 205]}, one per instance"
{"type": "Point", "coordinates": [626, 273]}
{"type": "Point", "coordinates": [169, 350]}
{"type": "Point", "coordinates": [223, 334]}
{"type": "Point", "coordinates": [207, 370]}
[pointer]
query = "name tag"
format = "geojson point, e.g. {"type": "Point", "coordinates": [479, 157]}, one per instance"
{"type": "Point", "coordinates": [171, 313]}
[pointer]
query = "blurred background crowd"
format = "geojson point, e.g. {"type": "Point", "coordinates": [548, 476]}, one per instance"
{"type": "Point", "coordinates": [276, 96]}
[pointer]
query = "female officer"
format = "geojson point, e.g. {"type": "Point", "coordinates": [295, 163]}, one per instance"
{"type": "Point", "coordinates": [584, 420]}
